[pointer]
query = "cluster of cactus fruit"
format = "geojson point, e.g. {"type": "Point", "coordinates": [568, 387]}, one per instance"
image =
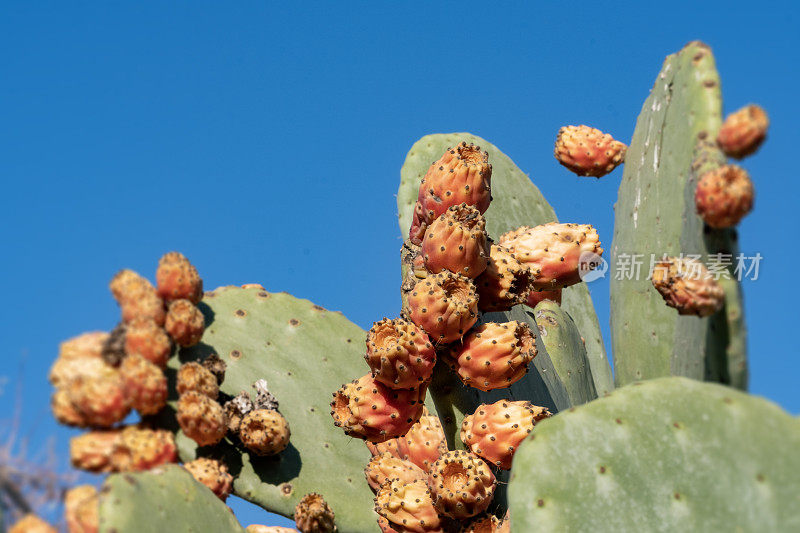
{"type": "Point", "coordinates": [470, 406]}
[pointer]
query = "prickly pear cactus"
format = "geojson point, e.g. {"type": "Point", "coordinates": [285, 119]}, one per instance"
{"type": "Point", "coordinates": [149, 501]}
{"type": "Point", "coordinates": [670, 454]}
{"type": "Point", "coordinates": [516, 202]}
{"type": "Point", "coordinates": [562, 342]}
{"type": "Point", "coordinates": [655, 215]}
{"type": "Point", "coordinates": [304, 352]}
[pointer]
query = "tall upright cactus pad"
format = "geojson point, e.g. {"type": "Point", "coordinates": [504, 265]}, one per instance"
{"type": "Point", "coordinates": [167, 498]}
{"type": "Point", "coordinates": [305, 353]}
{"type": "Point", "coordinates": [516, 201]}
{"type": "Point", "coordinates": [670, 454]}
{"type": "Point", "coordinates": [562, 342]}
{"type": "Point", "coordinates": [655, 215]}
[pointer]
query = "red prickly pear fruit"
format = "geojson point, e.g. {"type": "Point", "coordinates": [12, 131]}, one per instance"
{"type": "Point", "coordinates": [193, 376]}
{"type": "Point", "coordinates": [82, 509]}
{"type": "Point", "coordinates": [94, 451]}
{"type": "Point", "coordinates": [486, 523]}
{"type": "Point", "coordinates": [743, 131]}
{"type": "Point", "coordinates": [494, 431]}
{"type": "Point", "coordinates": [493, 356]}
{"type": "Point", "coordinates": [688, 286]}
{"type": "Point", "coordinates": [505, 283]}
{"type": "Point", "coordinates": [385, 467]}
{"type": "Point", "coordinates": [201, 418]}
{"type": "Point", "coordinates": [462, 175]}
{"type": "Point", "coordinates": [724, 196]}
{"type": "Point", "coordinates": [185, 323]}
{"type": "Point", "coordinates": [399, 353]}
{"type": "Point", "coordinates": [422, 445]}
{"type": "Point", "coordinates": [368, 409]}
{"type": "Point", "coordinates": [137, 297]}
{"type": "Point", "coordinates": [145, 384]}
{"type": "Point", "coordinates": [457, 241]}
{"type": "Point", "coordinates": [177, 279]}
{"type": "Point", "coordinates": [313, 515]}
{"type": "Point", "coordinates": [213, 474]}
{"type": "Point", "coordinates": [408, 507]}
{"type": "Point", "coordinates": [30, 523]}
{"type": "Point", "coordinates": [462, 484]}
{"type": "Point", "coordinates": [445, 305]}
{"type": "Point", "coordinates": [588, 151]}
{"type": "Point", "coordinates": [99, 396]}
{"type": "Point", "coordinates": [146, 338]}
{"type": "Point", "coordinates": [553, 251]}
{"type": "Point", "coordinates": [538, 295]}
{"type": "Point", "coordinates": [139, 449]}
{"type": "Point", "coordinates": [264, 432]}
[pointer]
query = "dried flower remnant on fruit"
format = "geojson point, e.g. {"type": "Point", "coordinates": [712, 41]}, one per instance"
{"type": "Point", "coordinates": [264, 398]}
{"type": "Point", "coordinates": [235, 409]}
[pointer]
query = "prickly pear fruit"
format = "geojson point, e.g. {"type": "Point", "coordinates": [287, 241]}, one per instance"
{"type": "Point", "coordinates": [137, 297]}
{"type": "Point", "coordinates": [264, 432]}
{"type": "Point", "coordinates": [77, 356]}
{"type": "Point", "coordinates": [457, 241]}
{"type": "Point", "coordinates": [743, 131]}
{"type": "Point", "coordinates": [493, 356]}
{"type": "Point", "coordinates": [538, 295]}
{"type": "Point", "coordinates": [422, 445]}
{"type": "Point", "coordinates": [386, 466]}
{"type": "Point", "coordinates": [494, 431]}
{"type": "Point", "coordinates": [588, 151]}
{"type": "Point", "coordinates": [64, 411]}
{"type": "Point", "coordinates": [193, 376]}
{"type": "Point", "coordinates": [688, 286]}
{"type": "Point", "coordinates": [88, 344]}
{"type": "Point", "coordinates": [408, 506]}
{"type": "Point", "coordinates": [82, 509]}
{"type": "Point", "coordinates": [146, 338]}
{"type": "Point", "coordinates": [505, 283]}
{"type": "Point", "coordinates": [201, 418]}
{"type": "Point", "coordinates": [724, 196]}
{"type": "Point", "coordinates": [99, 396]}
{"type": "Point", "coordinates": [483, 524]}
{"type": "Point", "coordinates": [185, 323]}
{"type": "Point", "coordinates": [213, 474]}
{"type": "Point", "coordinates": [30, 523]}
{"type": "Point", "coordinates": [553, 251]}
{"type": "Point", "coordinates": [445, 305]}
{"type": "Point", "coordinates": [145, 384]}
{"type": "Point", "coordinates": [313, 515]}
{"type": "Point", "coordinates": [93, 451]}
{"type": "Point", "coordinates": [139, 449]}
{"type": "Point", "coordinates": [462, 484]}
{"type": "Point", "coordinates": [368, 409]}
{"type": "Point", "coordinates": [177, 279]}
{"type": "Point", "coordinates": [399, 353]}
{"type": "Point", "coordinates": [461, 176]}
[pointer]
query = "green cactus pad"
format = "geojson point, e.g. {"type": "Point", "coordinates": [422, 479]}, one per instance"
{"type": "Point", "coordinates": [655, 215]}
{"type": "Point", "coordinates": [305, 353]}
{"type": "Point", "coordinates": [516, 201]}
{"type": "Point", "coordinates": [562, 341]}
{"type": "Point", "coordinates": [166, 498]}
{"type": "Point", "coordinates": [670, 454]}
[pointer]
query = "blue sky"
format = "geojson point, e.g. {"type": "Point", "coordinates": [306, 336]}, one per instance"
{"type": "Point", "coordinates": [264, 140]}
